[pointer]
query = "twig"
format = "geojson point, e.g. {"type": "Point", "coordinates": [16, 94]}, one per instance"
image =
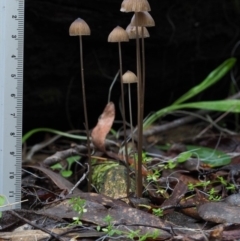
{"type": "Point", "coordinates": [173, 124]}
{"type": "Point", "coordinates": [214, 123]}
{"type": "Point", "coordinates": [11, 204]}
{"type": "Point", "coordinates": [36, 226]}
{"type": "Point", "coordinates": [41, 145]}
{"type": "Point", "coordinates": [81, 179]}
{"type": "Point", "coordinates": [111, 86]}
{"type": "Point", "coordinates": [61, 155]}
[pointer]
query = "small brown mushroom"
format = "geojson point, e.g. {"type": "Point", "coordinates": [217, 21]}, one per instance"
{"type": "Point", "coordinates": [144, 19]}
{"type": "Point", "coordinates": [135, 6]}
{"type": "Point", "coordinates": [78, 28]}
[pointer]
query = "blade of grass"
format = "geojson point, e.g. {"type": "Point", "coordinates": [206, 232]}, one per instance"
{"type": "Point", "coordinates": [219, 105]}
{"type": "Point", "coordinates": [33, 131]}
{"type": "Point", "coordinates": [211, 79]}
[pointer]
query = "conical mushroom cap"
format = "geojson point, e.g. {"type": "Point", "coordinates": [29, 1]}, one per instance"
{"type": "Point", "coordinates": [118, 34]}
{"type": "Point", "coordinates": [144, 19]}
{"type": "Point", "coordinates": [129, 77]}
{"type": "Point", "coordinates": [79, 27]}
{"type": "Point", "coordinates": [135, 6]}
{"type": "Point", "coordinates": [131, 31]}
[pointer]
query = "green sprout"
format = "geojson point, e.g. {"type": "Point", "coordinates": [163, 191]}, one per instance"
{"type": "Point", "coordinates": [213, 196]}
{"type": "Point", "coordinates": [145, 157]}
{"type": "Point", "coordinates": [225, 183]}
{"type": "Point", "coordinates": [153, 176]}
{"type": "Point", "coordinates": [78, 205]}
{"type": "Point", "coordinates": [109, 229]}
{"type": "Point", "coordinates": [171, 164]}
{"type": "Point", "coordinates": [130, 234]}
{"type": "Point", "coordinates": [157, 212]}
{"type": "Point", "coordinates": [182, 157]}
{"type": "Point", "coordinates": [191, 186]}
{"type": "Point", "coordinates": [66, 172]}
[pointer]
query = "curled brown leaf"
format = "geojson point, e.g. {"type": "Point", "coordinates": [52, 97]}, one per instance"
{"type": "Point", "coordinates": [103, 127]}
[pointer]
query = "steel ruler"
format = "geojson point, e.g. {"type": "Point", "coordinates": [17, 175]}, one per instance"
{"type": "Point", "coordinates": [11, 92]}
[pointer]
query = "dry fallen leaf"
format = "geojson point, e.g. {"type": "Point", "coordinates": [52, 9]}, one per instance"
{"type": "Point", "coordinates": [101, 130]}
{"type": "Point", "coordinates": [60, 181]}
{"type": "Point", "coordinates": [103, 126]}
{"type": "Point", "coordinates": [219, 212]}
{"type": "Point", "coordinates": [96, 213]}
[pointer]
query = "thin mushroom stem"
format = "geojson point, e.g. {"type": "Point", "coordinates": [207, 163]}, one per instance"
{"type": "Point", "coordinates": [143, 69]}
{"type": "Point", "coordinates": [124, 117]}
{"type": "Point", "coordinates": [140, 115]}
{"type": "Point", "coordinates": [85, 115]}
{"type": "Point", "coordinates": [130, 116]}
{"type": "Point", "coordinates": [130, 108]}
{"type": "Point", "coordinates": [111, 86]}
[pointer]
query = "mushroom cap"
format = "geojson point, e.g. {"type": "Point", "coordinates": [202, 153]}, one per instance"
{"type": "Point", "coordinates": [135, 6]}
{"type": "Point", "coordinates": [118, 34]}
{"type": "Point", "coordinates": [129, 77]}
{"type": "Point", "coordinates": [131, 31]}
{"type": "Point", "coordinates": [144, 19]}
{"type": "Point", "coordinates": [79, 27]}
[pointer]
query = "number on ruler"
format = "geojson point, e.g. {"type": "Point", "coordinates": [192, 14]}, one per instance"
{"type": "Point", "coordinates": [11, 175]}
{"type": "Point", "coordinates": [11, 193]}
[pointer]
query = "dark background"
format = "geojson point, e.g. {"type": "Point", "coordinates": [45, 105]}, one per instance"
{"type": "Point", "coordinates": [190, 39]}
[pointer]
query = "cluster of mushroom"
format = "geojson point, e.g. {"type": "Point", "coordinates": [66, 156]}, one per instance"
{"type": "Point", "coordinates": [135, 30]}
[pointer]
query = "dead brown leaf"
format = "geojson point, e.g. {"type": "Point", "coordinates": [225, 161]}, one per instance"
{"type": "Point", "coordinates": [103, 126]}
{"type": "Point", "coordinates": [60, 181]}
{"type": "Point", "coordinates": [231, 233]}
{"type": "Point", "coordinates": [33, 235]}
{"type": "Point", "coordinates": [96, 213]}
{"type": "Point", "coordinates": [221, 212]}
{"type": "Point", "coordinates": [177, 194]}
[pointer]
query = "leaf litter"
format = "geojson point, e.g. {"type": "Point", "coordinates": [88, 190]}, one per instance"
{"type": "Point", "coordinates": [192, 182]}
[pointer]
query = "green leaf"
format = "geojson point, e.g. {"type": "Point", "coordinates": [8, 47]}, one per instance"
{"type": "Point", "coordinates": [156, 233]}
{"type": "Point", "coordinates": [2, 200]}
{"type": "Point", "coordinates": [171, 164]}
{"type": "Point", "coordinates": [211, 157]}
{"type": "Point", "coordinates": [66, 173]}
{"type": "Point", "coordinates": [57, 132]}
{"type": "Point", "coordinates": [98, 228]}
{"type": "Point", "coordinates": [184, 156]}
{"type": "Point", "coordinates": [71, 160]}
{"type": "Point", "coordinates": [57, 166]}
{"type": "Point", "coordinates": [218, 105]}
{"type": "Point", "coordinates": [108, 219]}
{"type": "Point", "coordinates": [111, 232]}
{"type": "Point", "coordinates": [211, 79]}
